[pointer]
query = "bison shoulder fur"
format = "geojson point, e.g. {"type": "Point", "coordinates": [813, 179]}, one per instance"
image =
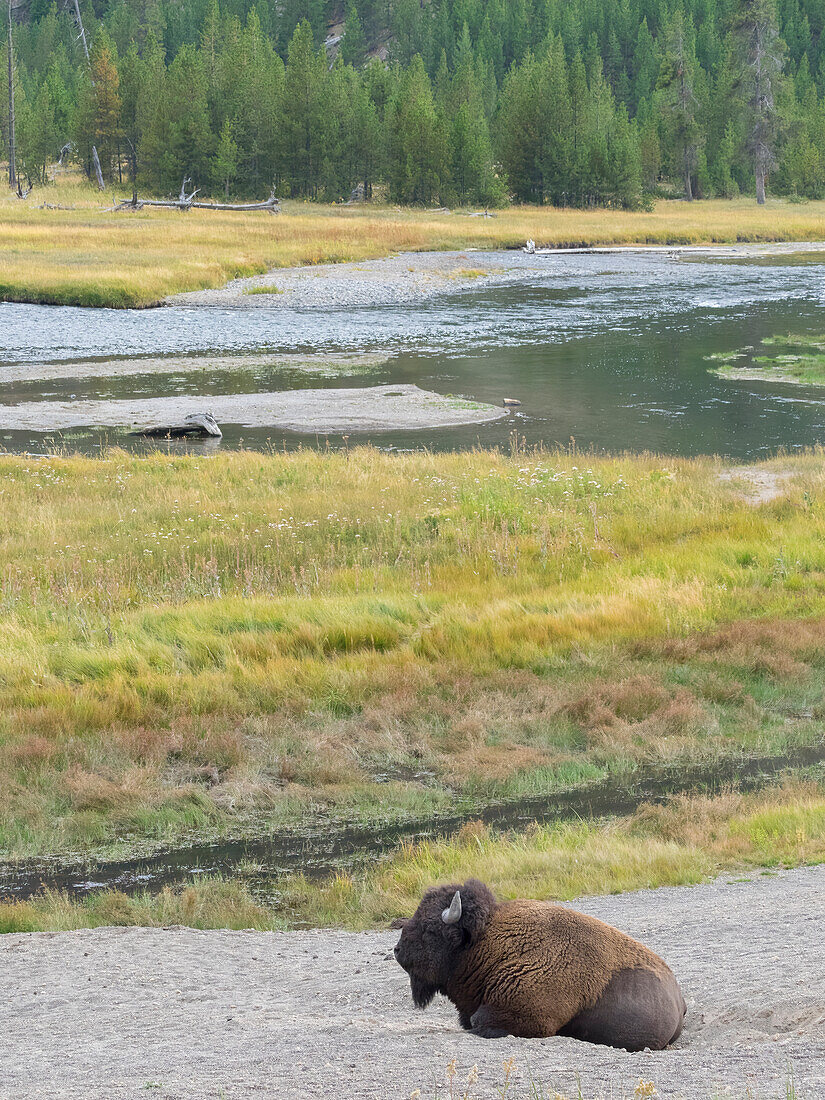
{"type": "Point", "coordinates": [535, 969]}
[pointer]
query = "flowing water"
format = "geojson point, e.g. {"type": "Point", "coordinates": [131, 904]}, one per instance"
{"type": "Point", "coordinates": [608, 348]}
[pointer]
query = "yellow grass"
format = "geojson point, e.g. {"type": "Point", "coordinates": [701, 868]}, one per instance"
{"type": "Point", "coordinates": [87, 256]}
{"type": "Point", "coordinates": [686, 842]}
{"type": "Point", "coordinates": [197, 646]}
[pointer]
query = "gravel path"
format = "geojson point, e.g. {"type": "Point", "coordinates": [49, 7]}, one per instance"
{"type": "Point", "coordinates": [367, 409]}
{"type": "Point", "coordinates": [176, 1013]}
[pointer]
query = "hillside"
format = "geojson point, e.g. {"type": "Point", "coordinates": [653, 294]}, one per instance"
{"type": "Point", "coordinates": [452, 101]}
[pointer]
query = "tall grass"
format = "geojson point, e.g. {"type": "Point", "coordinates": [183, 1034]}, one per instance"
{"type": "Point", "coordinates": [686, 842]}
{"type": "Point", "coordinates": [75, 251]}
{"type": "Point", "coordinates": [683, 843]}
{"type": "Point", "coordinates": [198, 646]}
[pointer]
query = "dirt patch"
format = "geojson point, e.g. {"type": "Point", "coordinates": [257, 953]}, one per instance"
{"type": "Point", "coordinates": [373, 409]}
{"type": "Point", "coordinates": [182, 1013]}
{"type": "Point", "coordinates": [756, 485]}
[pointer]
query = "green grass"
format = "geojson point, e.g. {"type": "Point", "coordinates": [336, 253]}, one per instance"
{"type": "Point", "coordinates": [83, 254]}
{"type": "Point", "coordinates": [799, 360]}
{"type": "Point", "coordinates": [200, 647]}
{"type": "Point", "coordinates": [690, 840]}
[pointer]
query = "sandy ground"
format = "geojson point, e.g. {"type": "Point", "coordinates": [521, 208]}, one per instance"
{"type": "Point", "coordinates": [758, 486]}
{"type": "Point", "coordinates": [177, 1013]}
{"type": "Point", "coordinates": [373, 408]}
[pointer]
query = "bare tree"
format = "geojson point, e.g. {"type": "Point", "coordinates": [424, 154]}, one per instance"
{"type": "Point", "coordinates": [82, 34]}
{"type": "Point", "coordinates": [761, 57]}
{"type": "Point", "coordinates": [12, 149]}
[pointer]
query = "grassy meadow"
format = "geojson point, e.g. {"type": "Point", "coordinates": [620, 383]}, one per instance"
{"type": "Point", "coordinates": [61, 244]}
{"type": "Point", "coordinates": [201, 647]}
{"type": "Point", "coordinates": [683, 843]}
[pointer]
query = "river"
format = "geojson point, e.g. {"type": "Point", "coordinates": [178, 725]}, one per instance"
{"type": "Point", "coordinates": [608, 348]}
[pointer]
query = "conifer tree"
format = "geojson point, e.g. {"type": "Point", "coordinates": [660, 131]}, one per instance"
{"type": "Point", "coordinates": [417, 149]}
{"type": "Point", "coordinates": [225, 163]}
{"type": "Point", "coordinates": [676, 79]}
{"type": "Point", "coordinates": [761, 53]}
{"type": "Point", "coordinates": [354, 43]}
{"type": "Point", "coordinates": [98, 117]}
{"type": "Point", "coordinates": [304, 120]}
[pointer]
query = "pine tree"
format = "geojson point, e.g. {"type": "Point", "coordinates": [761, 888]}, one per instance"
{"type": "Point", "coordinates": [354, 42]}
{"type": "Point", "coordinates": [303, 119]}
{"type": "Point", "coordinates": [191, 142]}
{"type": "Point", "coordinates": [676, 80]}
{"type": "Point", "coordinates": [417, 166]}
{"type": "Point", "coordinates": [225, 161]}
{"type": "Point", "coordinates": [761, 57]}
{"type": "Point", "coordinates": [98, 117]}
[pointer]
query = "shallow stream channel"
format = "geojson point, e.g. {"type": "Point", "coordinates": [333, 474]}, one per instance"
{"type": "Point", "coordinates": [322, 849]}
{"type": "Point", "coordinates": [609, 348]}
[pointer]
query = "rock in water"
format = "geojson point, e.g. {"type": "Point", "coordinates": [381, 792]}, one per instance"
{"type": "Point", "coordinates": [198, 424]}
{"type": "Point", "coordinates": [510, 402]}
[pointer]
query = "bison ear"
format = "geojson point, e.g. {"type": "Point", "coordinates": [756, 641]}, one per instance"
{"type": "Point", "coordinates": [478, 905]}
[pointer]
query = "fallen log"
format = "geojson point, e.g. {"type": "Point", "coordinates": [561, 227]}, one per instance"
{"type": "Point", "coordinates": [187, 202]}
{"type": "Point", "coordinates": [197, 424]}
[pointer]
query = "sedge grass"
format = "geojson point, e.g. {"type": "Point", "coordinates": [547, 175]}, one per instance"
{"type": "Point", "coordinates": [195, 647]}
{"type": "Point", "coordinates": [690, 840]}
{"type": "Point", "coordinates": [798, 360]}
{"type": "Point", "coordinates": [77, 252]}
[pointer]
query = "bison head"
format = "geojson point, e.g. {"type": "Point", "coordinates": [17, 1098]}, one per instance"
{"type": "Point", "coordinates": [448, 920]}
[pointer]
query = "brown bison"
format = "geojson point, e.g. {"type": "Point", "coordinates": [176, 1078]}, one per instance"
{"type": "Point", "coordinates": [534, 969]}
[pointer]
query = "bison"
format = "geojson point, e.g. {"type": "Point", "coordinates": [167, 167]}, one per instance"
{"type": "Point", "coordinates": [535, 969]}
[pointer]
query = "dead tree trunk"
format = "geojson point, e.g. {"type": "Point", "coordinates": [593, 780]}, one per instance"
{"type": "Point", "coordinates": [186, 202]}
{"type": "Point", "coordinates": [95, 157]}
{"type": "Point", "coordinates": [12, 148]}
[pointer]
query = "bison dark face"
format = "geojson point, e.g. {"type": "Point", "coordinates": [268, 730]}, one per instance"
{"type": "Point", "coordinates": [448, 920]}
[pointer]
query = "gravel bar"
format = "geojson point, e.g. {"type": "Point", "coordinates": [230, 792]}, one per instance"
{"type": "Point", "coordinates": [365, 409]}
{"type": "Point", "coordinates": [406, 277]}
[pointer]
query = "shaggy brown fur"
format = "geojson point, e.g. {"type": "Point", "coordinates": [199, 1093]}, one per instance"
{"type": "Point", "coordinates": [534, 969]}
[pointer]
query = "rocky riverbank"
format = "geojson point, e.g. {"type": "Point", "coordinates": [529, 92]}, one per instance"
{"type": "Point", "coordinates": [406, 277]}
{"type": "Point", "coordinates": [418, 276]}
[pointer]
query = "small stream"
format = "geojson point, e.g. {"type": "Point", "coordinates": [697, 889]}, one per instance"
{"type": "Point", "coordinates": [318, 851]}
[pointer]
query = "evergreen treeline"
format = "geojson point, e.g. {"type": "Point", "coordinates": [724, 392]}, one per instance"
{"type": "Point", "coordinates": [438, 101]}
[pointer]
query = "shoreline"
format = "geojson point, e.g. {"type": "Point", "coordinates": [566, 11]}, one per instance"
{"type": "Point", "coordinates": [421, 276]}
{"type": "Point", "coordinates": [78, 253]}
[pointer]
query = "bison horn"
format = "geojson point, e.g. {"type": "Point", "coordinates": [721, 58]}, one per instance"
{"type": "Point", "coordinates": [453, 914]}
